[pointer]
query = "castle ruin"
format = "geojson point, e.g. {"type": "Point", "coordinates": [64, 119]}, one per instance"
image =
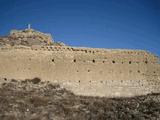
{"type": "Point", "coordinates": [26, 54]}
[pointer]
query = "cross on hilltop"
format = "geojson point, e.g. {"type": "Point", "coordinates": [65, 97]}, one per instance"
{"type": "Point", "coordinates": [29, 26]}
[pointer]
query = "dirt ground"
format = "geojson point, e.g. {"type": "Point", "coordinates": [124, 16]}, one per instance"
{"type": "Point", "coordinates": [37, 100]}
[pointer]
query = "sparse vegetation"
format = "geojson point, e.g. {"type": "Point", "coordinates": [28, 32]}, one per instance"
{"type": "Point", "coordinates": [38, 100]}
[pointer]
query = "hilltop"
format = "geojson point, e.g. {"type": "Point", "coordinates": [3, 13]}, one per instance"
{"type": "Point", "coordinates": [28, 37]}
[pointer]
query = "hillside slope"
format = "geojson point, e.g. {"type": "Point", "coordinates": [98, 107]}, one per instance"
{"type": "Point", "coordinates": [36, 100]}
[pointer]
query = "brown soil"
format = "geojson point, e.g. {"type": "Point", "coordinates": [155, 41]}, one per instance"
{"type": "Point", "coordinates": [36, 100]}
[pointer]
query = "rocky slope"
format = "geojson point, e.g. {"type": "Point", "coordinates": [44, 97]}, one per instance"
{"type": "Point", "coordinates": [36, 100]}
{"type": "Point", "coordinates": [28, 37]}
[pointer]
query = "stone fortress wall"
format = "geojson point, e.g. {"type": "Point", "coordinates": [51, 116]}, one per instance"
{"type": "Point", "coordinates": [85, 71]}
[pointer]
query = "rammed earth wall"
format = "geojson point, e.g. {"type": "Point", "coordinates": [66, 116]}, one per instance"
{"type": "Point", "coordinates": [85, 71]}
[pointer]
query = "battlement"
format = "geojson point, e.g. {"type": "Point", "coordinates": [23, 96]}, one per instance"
{"type": "Point", "coordinates": [79, 49]}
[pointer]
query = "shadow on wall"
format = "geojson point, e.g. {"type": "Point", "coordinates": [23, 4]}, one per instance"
{"type": "Point", "coordinates": [34, 80]}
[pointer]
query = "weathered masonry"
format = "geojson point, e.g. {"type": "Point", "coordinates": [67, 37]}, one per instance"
{"type": "Point", "coordinates": [28, 54]}
{"type": "Point", "coordinates": [85, 71]}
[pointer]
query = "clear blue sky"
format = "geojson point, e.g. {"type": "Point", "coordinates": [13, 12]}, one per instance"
{"type": "Point", "coordinates": [133, 24]}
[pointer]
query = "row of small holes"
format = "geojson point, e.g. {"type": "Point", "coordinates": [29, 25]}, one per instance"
{"type": "Point", "coordinates": [122, 81]}
{"type": "Point", "coordinates": [112, 61]}
{"type": "Point", "coordinates": [130, 71]}
{"type": "Point", "coordinates": [103, 61]}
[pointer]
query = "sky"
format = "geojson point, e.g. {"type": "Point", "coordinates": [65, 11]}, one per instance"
{"type": "Point", "coordinates": [127, 24]}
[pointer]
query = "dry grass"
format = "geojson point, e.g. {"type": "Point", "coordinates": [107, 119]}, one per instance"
{"type": "Point", "coordinates": [36, 100]}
